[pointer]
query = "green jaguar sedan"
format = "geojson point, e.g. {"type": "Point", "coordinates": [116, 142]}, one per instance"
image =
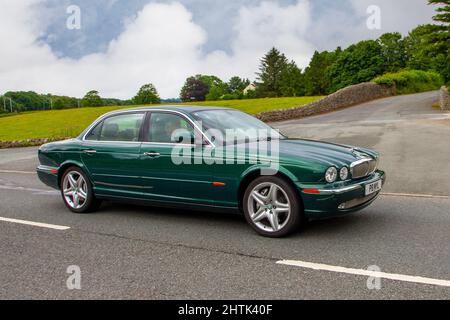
{"type": "Point", "coordinates": [210, 158]}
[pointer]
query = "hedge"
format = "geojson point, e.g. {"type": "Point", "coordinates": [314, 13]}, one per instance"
{"type": "Point", "coordinates": [411, 81]}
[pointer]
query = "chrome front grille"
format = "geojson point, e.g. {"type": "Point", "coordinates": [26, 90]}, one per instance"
{"type": "Point", "coordinates": [363, 168]}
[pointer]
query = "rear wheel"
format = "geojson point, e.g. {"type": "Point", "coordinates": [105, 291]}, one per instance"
{"type": "Point", "coordinates": [77, 192]}
{"type": "Point", "coordinates": [272, 207]}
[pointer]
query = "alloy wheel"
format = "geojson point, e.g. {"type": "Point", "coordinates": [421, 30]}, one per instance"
{"type": "Point", "coordinates": [269, 207]}
{"type": "Point", "coordinates": [75, 190]}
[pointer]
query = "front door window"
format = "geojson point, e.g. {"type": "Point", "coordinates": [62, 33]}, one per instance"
{"type": "Point", "coordinates": [170, 128]}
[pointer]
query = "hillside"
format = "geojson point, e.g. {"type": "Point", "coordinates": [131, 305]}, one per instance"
{"type": "Point", "coordinates": [70, 122]}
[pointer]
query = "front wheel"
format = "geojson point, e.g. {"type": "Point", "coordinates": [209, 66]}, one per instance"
{"type": "Point", "coordinates": [77, 192]}
{"type": "Point", "coordinates": [272, 207]}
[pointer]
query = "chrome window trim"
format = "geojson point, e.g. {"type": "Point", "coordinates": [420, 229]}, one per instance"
{"type": "Point", "coordinates": [193, 145]}
{"type": "Point", "coordinates": [119, 113]}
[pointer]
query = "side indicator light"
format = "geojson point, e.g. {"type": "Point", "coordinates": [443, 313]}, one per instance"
{"type": "Point", "coordinates": [218, 184]}
{"type": "Point", "coordinates": [311, 191]}
{"type": "Point", "coordinates": [54, 171]}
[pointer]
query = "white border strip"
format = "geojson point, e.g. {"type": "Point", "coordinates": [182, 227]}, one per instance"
{"type": "Point", "coordinates": [367, 273]}
{"type": "Point", "coordinates": [35, 224]}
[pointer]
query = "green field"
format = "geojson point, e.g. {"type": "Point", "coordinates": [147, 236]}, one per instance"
{"type": "Point", "coordinates": [71, 122]}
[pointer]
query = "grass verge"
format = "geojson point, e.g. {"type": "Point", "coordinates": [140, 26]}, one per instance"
{"type": "Point", "coordinates": [54, 124]}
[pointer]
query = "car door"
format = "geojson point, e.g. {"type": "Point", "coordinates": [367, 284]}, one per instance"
{"type": "Point", "coordinates": [171, 161]}
{"type": "Point", "coordinates": [111, 154]}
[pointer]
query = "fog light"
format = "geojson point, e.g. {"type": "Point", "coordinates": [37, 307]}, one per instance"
{"type": "Point", "coordinates": [342, 206]}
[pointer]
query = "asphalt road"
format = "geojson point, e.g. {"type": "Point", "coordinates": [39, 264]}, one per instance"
{"type": "Point", "coordinates": [126, 251]}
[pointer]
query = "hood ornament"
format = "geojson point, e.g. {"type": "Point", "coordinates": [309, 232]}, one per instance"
{"type": "Point", "coordinates": [360, 155]}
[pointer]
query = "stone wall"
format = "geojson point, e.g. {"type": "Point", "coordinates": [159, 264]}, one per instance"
{"type": "Point", "coordinates": [444, 101]}
{"type": "Point", "coordinates": [344, 98]}
{"type": "Point", "coordinates": [27, 143]}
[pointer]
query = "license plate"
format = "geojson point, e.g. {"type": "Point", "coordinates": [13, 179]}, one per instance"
{"type": "Point", "coordinates": [373, 187]}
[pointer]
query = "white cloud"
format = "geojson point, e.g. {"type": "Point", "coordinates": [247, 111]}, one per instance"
{"type": "Point", "coordinates": [161, 45]}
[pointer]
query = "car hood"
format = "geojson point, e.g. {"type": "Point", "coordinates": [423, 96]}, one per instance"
{"type": "Point", "coordinates": [324, 153]}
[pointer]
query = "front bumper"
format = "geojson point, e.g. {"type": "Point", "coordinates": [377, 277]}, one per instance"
{"type": "Point", "coordinates": [340, 198]}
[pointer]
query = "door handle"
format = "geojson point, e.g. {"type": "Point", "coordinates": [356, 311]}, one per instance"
{"type": "Point", "coordinates": [152, 154]}
{"type": "Point", "coordinates": [90, 151]}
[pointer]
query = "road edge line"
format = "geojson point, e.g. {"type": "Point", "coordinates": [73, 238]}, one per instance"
{"type": "Point", "coordinates": [367, 273]}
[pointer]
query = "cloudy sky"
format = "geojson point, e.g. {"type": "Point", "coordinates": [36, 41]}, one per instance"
{"type": "Point", "coordinates": [123, 44]}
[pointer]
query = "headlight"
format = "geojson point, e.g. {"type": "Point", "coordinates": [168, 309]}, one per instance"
{"type": "Point", "coordinates": [343, 174]}
{"type": "Point", "coordinates": [331, 175]}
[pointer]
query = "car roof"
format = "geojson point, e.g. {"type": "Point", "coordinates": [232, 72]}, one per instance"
{"type": "Point", "coordinates": [180, 108]}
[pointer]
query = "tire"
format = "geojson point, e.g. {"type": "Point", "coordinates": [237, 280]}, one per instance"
{"type": "Point", "coordinates": [78, 195]}
{"type": "Point", "coordinates": [272, 207]}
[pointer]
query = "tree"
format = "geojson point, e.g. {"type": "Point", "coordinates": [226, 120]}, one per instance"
{"type": "Point", "coordinates": [209, 80]}
{"type": "Point", "coordinates": [270, 72]}
{"type": "Point", "coordinates": [317, 81]}
{"type": "Point", "coordinates": [194, 90]}
{"type": "Point", "coordinates": [393, 49]}
{"type": "Point", "coordinates": [92, 99]}
{"type": "Point", "coordinates": [147, 95]}
{"type": "Point", "coordinates": [439, 38]}
{"type": "Point", "coordinates": [360, 62]}
{"type": "Point", "coordinates": [443, 15]}
{"type": "Point", "coordinates": [236, 85]}
{"type": "Point", "coordinates": [292, 82]}
{"type": "Point", "coordinates": [215, 93]}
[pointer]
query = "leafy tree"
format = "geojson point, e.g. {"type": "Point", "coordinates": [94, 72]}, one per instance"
{"type": "Point", "coordinates": [425, 53]}
{"type": "Point", "coordinates": [209, 80]}
{"type": "Point", "coordinates": [292, 82]}
{"type": "Point", "coordinates": [58, 103]}
{"type": "Point", "coordinates": [147, 95]}
{"type": "Point", "coordinates": [215, 93]}
{"type": "Point", "coordinates": [194, 90]}
{"type": "Point", "coordinates": [29, 100]}
{"type": "Point", "coordinates": [92, 99]}
{"type": "Point", "coordinates": [237, 85]}
{"type": "Point", "coordinates": [439, 38]}
{"type": "Point", "coordinates": [317, 81]}
{"type": "Point", "coordinates": [393, 49]}
{"type": "Point", "coordinates": [270, 73]}
{"type": "Point", "coordinates": [360, 62]}
{"type": "Point", "coordinates": [417, 48]}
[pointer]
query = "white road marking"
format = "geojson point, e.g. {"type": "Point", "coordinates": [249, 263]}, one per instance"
{"type": "Point", "coordinates": [409, 195]}
{"type": "Point", "coordinates": [17, 171]}
{"type": "Point", "coordinates": [367, 273]}
{"type": "Point", "coordinates": [38, 191]}
{"type": "Point", "coordinates": [35, 224]}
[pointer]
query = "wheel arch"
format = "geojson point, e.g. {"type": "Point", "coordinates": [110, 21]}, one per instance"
{"type": "Point", "coordinates": [66, 165]}
{"type": "Point", "coordinates": [254, 173]}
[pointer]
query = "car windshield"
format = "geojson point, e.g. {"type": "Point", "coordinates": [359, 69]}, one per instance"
{"type": "Point", "coordinates": [232, 126]}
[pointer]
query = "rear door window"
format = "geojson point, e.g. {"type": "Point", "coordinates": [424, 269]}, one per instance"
{"type": "Point", "coordinates": [125, 128]}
